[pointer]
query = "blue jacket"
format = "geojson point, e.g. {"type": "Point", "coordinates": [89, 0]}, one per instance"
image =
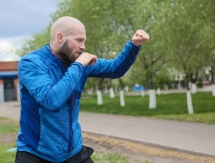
{"type": "Point", "coordinates": [50, 100]}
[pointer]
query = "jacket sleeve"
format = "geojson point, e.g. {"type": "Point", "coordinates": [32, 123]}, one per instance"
{"type": "Point", "coordinates": [47, 93]}
{"type": "Point", "coordinates": [117, 67]}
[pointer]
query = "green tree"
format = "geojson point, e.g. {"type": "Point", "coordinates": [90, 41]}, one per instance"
{"type": "Point", "coordinates": [192, 28]}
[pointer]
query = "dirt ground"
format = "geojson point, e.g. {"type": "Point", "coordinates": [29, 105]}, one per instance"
{"type": "Point", "coordinates": [136, 152]}
{"type": "Point", "coordinates": [139, 152]}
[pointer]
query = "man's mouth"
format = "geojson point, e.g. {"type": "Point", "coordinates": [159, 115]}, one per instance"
{"type": "Point", "coordinates": [79, 53]}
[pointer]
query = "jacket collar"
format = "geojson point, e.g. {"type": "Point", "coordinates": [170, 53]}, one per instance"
{"type": "Point", "coordinates": [53, 57]}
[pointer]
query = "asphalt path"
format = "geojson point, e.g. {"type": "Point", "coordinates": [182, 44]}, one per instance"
{"type": "Point", "coordinates": [192, 137]}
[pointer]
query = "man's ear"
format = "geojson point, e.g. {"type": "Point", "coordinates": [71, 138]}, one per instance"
{"type": "Point", "coordinates": [60, 38]}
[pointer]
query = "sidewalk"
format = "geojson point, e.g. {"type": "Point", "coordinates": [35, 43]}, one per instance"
{"type": "Point", "coordinates": [192, 137]}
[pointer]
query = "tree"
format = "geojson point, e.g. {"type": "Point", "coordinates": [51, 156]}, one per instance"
{"type": "Point", "coordinates": [181, 37]}
{"type": "Point", "coordinates": [113, 29]}
{"type": "Point", "coordinates": [190, 37]}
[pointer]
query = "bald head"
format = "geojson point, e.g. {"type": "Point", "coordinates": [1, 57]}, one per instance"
{"type": "Point", "coordinates": [65, 30]}
{"type": "Point", "coordinates": [65, 25]}
{"type": "Point", "coordinates": [67, 38]}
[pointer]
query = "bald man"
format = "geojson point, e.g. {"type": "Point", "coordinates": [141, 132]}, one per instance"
{"type": "Point", "coordinates": [51, 81]}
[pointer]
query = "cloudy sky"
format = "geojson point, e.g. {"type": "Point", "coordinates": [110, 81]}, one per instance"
{"type": "Point", "coordinates": [20, 19]}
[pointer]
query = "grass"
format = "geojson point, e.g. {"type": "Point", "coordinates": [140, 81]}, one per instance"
{"type": "Point", "coordinates": [8, 126]}
{"type": "Point", "coordinates": [169, 106]}
{"type": "Point", "coordinates": [7, 157]}
{"type": "Point", "coordinates": [111, 158]}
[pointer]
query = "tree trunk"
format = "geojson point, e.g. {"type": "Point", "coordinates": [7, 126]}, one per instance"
{"type": "Point", "coordinates": [126, 88]}
{"type": "Point", "coordinates": [111, 91]}
{"type": "Point", "coordinates": [152, 99]}
{"type": "Point", "coordinates": [151, 91]}
{"type": "Point", "coordinates": [189, 102]}
{"type": "Point", "coordinates": [213, 90]}
{"type": "Point", "coordinates": [158, 91]}
{"type": "Point", "coordinates": [100, 83]}
{"type": "Point", "coordinates": [121, 93]}
{"type": "Point", "coordinates": [213, 84]}
{"type": "Point", "coordinates": [193, 79]}
{"type": "Point", "coordinates": [110, 88]}
{"type": "Point", "coordinates": [149, 82]}
{"type": "Point", "coordinates": [193, 88]}
{"type": "Point", "coordinates": [99, 92]}
{"type": "Point", "coordinates": [90, 91]}
{"type": "Point", "coordinates": [187, 81]}
{"type": "Point", "coordinates": [189, 97]}
{"type": "Point", "coordinates": [99, 97]}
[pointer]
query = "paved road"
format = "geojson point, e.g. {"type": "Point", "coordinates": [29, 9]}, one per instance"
{"type": "Point", "coordinates": [193, 137]}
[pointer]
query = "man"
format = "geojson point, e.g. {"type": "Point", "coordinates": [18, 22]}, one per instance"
{"type": "Point", "coordinates": [51, 81]}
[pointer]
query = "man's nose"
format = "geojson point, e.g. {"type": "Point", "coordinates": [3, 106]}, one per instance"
{"type": "Point", "coordinates": [82, 47]}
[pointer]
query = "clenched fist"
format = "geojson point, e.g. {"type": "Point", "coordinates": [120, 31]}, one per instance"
{"type": "Point", "coordinates": [86, 59]}
{"type": "Point", "coordinates": [139, 37]}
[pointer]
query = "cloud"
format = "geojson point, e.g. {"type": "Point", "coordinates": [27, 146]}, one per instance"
{"type": "Point", "coordinates": [21, 19]}
{"type": "Point", "coordinates": [25, 17]}
{"type": "Point", "coordinates": [8, 48]}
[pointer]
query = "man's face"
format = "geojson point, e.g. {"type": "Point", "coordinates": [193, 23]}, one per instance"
{"type": "Point", "coordinates": [73, 47]}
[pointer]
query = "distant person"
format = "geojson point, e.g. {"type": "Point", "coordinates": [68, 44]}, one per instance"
{"type": "Point", "coordinates": [51, 82]}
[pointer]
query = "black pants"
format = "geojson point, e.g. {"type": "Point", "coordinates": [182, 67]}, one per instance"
{"type": "Point", "coordinates": [82, 157]}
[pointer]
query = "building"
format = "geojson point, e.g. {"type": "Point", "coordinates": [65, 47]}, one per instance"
{"type": "Point", "coordinates": [9, 81]}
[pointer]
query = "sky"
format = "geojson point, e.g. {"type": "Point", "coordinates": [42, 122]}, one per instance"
{"type": "Point", "coordinates": [20, 19]}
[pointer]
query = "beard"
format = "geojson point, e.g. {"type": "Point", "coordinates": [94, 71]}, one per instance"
{"type": "Point", "coordinates": [65, 53]}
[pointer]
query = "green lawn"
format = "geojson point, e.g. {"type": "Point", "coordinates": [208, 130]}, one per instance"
{"type": "Point", "coordinates": [169, 106]}
{"type": "Point", "coordinates": [111, 158]}
{"type": "Point", "coordinates": [7, 157]}
{"type": "Point", "coordinates": [8, 126]}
